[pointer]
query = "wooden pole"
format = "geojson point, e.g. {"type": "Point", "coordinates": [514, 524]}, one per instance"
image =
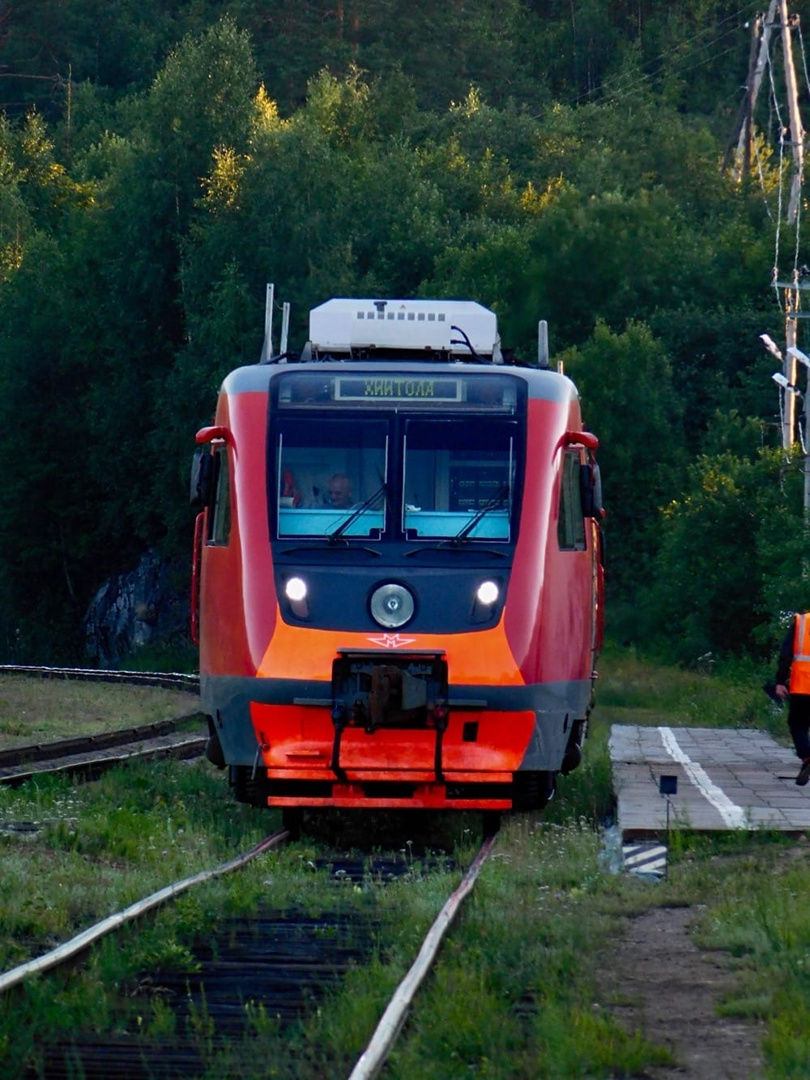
{"type": "Point", "coordinates": [796, 129]}
{"type": "Point", "coordinates": [789, 368]}
{"type": "Point", "coordinates": [760, 44]}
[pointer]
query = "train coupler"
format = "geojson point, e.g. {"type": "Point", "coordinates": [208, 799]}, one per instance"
{"type": "Point", "coordinates": [379, 691]}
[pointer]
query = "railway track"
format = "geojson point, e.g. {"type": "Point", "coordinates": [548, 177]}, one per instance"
{"type": "Point", "coordinates": [89, 756]}
{"type": "Point", "coordinates": [164, 679]}
{"type": "Point", "coordinates": [275, 964]}
{"type": "Point", "coordinates": [278, 963]}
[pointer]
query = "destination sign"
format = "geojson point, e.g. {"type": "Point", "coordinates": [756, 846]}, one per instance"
{"type": "Point", "coordinates": [308, 389]}
{"type": "Point", "coordinates": [397, 388]}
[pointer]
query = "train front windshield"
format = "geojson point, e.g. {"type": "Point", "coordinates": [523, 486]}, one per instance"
{"type": "Point", "coordinates": [403, 457]}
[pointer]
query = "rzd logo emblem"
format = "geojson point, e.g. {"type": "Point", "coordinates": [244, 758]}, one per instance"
{"type": "Point", "coordinates": [392, 641]}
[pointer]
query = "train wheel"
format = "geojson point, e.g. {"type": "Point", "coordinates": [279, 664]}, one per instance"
{"type": "Point", "coordinates": [247, 788]}
{"type": "Point", "coordinates": [572, 759]}
{"type": "Point", "coordinates": [533, 790]}
{"type": "Point", "coordinates": [213, 750]}
{"type": "Point", "coordinates": [292, 819]}
{"type": "Point", "coordinates": [573, 752]}
{"type": "Point", "coordinates": [491, 822]}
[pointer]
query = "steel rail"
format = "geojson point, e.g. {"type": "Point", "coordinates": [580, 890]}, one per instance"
{"type": "Point", "coordinates": [84, 753]}
{"type": "Point", "coordinates": [168, 680]}
{"type": "Point", "coordinates": [91, 765]}
{"type": "Point", "coordinates": [77, 944]}
{"type": "Point", "coordinates": [28, 753]}
{"type": "Point", "coordinates": [373, 1057]}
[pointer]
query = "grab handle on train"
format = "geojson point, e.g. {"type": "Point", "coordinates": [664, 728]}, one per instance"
{"type": "Point", "coordinates": [196, 561]}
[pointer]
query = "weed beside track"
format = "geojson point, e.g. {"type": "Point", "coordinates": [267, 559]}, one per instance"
{"type": "Point", "coordinates": [36, 709]}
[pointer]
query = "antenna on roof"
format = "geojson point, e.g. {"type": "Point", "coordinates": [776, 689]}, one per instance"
{"type": "Point", "coordinates": [542, 344]}
{"type": "Point", "coordinates": [267, 347]}
{"type": "Point", "coordinates": [285, 326]}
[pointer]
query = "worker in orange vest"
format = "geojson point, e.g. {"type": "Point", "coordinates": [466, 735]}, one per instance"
{"type": "Point", "coordinates": [793, 685]}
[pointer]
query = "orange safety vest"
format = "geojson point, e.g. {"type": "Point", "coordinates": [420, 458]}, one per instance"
{"type": "Point", "coordinates": [800, 668]}
{"type": "Point", "coordinates": [288, 489]}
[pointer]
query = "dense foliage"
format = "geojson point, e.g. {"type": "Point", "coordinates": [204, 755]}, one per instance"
{"type": "Point", "coordinates": [161, 162]}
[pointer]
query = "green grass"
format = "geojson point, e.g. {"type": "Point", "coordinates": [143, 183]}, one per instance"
{"type": "Point", "coordinates": [632, 689]}
{"type": "Point", "coordinates": [42, 710]}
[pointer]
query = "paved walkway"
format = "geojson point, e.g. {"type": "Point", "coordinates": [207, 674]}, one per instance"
{"type": "Point", "coordinates": [726, 779]}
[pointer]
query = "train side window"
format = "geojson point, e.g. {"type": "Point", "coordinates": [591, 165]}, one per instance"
{"type": "Point", "coordinates": [219, 516]}
{"type": "Point", "coordinates": [571, 523]}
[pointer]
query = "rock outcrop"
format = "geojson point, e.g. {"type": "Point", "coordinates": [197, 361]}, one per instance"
{"type": "Point", "coordinates": [146, 606]}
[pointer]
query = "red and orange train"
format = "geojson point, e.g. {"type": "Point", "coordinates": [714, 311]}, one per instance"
{"type": "Point", "coordinates": [397, 583]}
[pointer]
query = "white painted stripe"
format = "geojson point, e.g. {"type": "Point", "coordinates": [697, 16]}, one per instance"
{"type": "Point", "coordinates": [730, 812]}
{"type": "Point", "coordinates": [645, 859]}
{"type": "Point", "coordinates": [634, 856]}
{"type": "Point", "coordinates": [652, 866]}
{"type": "Point", "coordinates": [799, 641]}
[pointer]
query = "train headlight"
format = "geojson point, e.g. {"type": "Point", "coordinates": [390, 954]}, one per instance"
{"type": "Point", "coordinates": [488, 592]}
{"type": "Point", "coordinates": [295, 589]}
{"type": "Point", "coordinates": [391, 605]}
{"type": "Point", "coordinates": [488, 600]}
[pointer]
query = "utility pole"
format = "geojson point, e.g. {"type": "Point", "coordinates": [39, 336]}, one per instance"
{"type": "Point", "coordinates": [800, 278]}
{"type": "Point", "coordinates": [792, 300]}
{"type": "Point", "coordinates": [792, 289]}
{"type": "Point", "coordinates": [805, 360]}
{"type": "Point", "coordinates": [761, 31]}
{"type": "Point", "coordinates": [796, 129]}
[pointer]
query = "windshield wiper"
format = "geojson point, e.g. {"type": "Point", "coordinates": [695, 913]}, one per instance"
{"type": "Point", "coordinates": [493, 504]}
{"type": "Point", "coordinates": [333, 537]}
{"type": "Point", "coordinates": [461, 536]}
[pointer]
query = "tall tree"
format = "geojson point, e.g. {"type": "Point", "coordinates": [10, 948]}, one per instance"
{"type": "Point", "coordinates": [732, 554]}
{"type": "Point", "coordinates": [629, 402]}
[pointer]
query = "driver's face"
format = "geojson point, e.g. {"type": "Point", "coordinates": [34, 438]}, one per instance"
{"type": "Point", "coordinates": [340, 492]}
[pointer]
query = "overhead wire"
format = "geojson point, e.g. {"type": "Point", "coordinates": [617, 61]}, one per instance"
{"type": "Point", "coordinates": [639, 78]}
{"type": "Point", "coordinates": [629, 84]}
{"type": "Point", "coordinates": [623, 87]}
{"type": "Point", "coordinates": [636, 85]}
{"type": "Point", "coordinates": [804, 58]}
{"type": "Point", "coordinates": [761, 175]}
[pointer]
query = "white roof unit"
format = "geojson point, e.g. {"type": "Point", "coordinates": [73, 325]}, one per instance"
{"type": "Point", "coordinates": [342, 325]}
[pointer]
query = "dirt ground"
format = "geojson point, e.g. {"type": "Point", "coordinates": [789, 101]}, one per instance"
{"type": "Point", "coordinates": [659, 983]}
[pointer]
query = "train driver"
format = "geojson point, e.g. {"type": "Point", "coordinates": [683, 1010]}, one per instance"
{"type": "Point", "coordinates": [340, 493]}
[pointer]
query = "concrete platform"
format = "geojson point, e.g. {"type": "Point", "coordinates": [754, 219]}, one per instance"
{"type": "Point", "coordinates": [726, 779]}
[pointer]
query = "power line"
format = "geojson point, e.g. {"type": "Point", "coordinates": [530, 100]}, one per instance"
{"type": "Point", "coordinates": [629, 84]}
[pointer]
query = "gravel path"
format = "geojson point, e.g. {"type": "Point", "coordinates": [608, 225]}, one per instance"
{"type": "Point", "coordinates": [658, 982]}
